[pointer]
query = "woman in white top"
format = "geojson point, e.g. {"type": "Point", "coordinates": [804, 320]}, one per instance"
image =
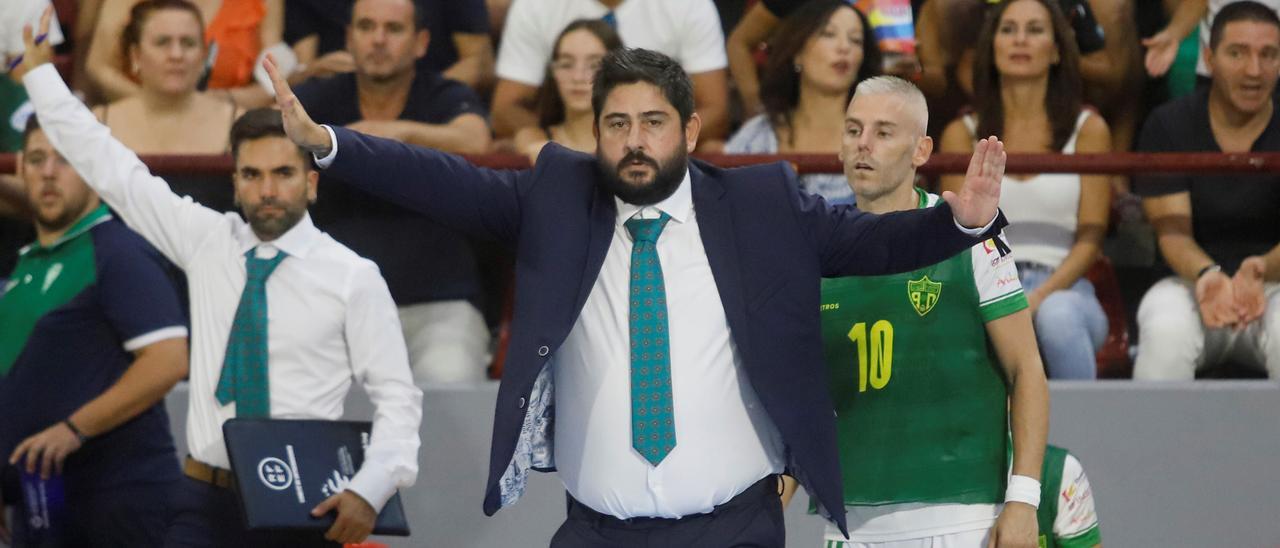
{"type": "Point", "coordinates": [1027, 92]}
{"type": "Point", "coordinates": [816, 57]}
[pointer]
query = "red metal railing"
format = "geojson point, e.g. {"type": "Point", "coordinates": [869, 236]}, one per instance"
{"type": "Point", "coordinates": [1121, 163]}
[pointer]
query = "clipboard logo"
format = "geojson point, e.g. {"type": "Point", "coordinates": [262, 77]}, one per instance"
{"type": "Point", "coordinates": [278, 475]}
{"type": "Point", "coordinates": [275, 474]}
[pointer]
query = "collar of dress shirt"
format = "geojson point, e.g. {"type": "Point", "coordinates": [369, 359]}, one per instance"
{"type": "Point", "coordinates": [296, 241]}
{"type": "Point", "coordinates": [678, 205]}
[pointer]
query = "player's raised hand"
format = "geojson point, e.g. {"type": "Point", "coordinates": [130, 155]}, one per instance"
{"type": "Point", "coordinates": [38, 50]}
{"type": "Point", "coordinates": [976, 204]}
{"type": "Point", "coordinates": [297, 124]}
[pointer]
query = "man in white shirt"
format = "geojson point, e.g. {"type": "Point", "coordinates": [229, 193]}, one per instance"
{"type": "Point", "coordinates": [331, 317]}
{"type": "Point", "coordinates": [686, 30]}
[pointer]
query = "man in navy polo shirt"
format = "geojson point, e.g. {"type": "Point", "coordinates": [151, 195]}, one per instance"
{"type": "Point", "coordinates": [431, 270]}
{"type": "Point", "coordinates": [93, 339]}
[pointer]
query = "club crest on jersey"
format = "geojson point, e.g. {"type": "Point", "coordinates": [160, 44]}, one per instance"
{"type": "Point", "coordinates": [923, 294]}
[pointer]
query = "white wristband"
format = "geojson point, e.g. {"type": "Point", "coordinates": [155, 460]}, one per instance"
{"type": "Point", "coordinates": [1023, 489]}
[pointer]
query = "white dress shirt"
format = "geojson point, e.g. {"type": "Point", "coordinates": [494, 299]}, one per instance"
{"type": "Point", "coordinates": [330, 316]}
{"type": "Point", "coordinates": [725, 442]}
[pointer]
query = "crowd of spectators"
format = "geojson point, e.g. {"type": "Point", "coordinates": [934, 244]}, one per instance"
{"type": "Point", "coordinates": [770, 76]}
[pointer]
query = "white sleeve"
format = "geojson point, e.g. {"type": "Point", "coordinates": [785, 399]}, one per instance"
{"type": "Point", "coordinates": [324, 163]}
{"type": "Point", "coordinates": [996, 278]}
{"type": "Point", "coordinates": [1076, 512]}
{"type": "Point", "coordinates": [702, 42]}
{"type": "Point", "coordinates": [526, 46]}
{"type": "Point", "coordinates": [173, 224]}
{"type": "Point", "coordinates": [380, 363]}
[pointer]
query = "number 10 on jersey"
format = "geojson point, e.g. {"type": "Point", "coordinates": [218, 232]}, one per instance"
{"type": "Point", "coordinates": [875, 366]}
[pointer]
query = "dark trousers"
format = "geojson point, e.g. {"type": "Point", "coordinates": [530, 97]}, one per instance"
{"type": "Point", "coordinates": [117, 517]}
{"type": "Point", "coordinates": [753, 519]}
{"type": "Point", "coordinates": [210, 516]}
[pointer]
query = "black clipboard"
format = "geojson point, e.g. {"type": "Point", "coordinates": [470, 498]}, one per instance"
{"type": "Point", "coordinates": [284, 468]}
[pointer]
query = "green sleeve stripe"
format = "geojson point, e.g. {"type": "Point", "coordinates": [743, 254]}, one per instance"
{"type": "Point", "coordinates": [1003, 306]}
{"type": "Point", "coordinates": [993, 300]}
{"type": "Point", "coordinates": [1088, 539]}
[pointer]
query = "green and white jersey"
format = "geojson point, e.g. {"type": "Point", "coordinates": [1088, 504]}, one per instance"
{"type": "Point", "coordinates": [1067, 516]}
{"type": "Point", "coordinates": [920, 397]}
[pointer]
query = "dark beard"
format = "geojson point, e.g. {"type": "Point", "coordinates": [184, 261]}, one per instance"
{"type": "Point", "coordinates": [268, 229]}
{"type": "Point", "coordinates": [666, 180]}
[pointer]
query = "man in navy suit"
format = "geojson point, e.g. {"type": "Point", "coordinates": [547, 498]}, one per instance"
{"type": "Point", "coordinates": [661, 440]}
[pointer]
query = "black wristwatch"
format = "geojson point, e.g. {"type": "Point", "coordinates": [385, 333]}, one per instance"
{"type": "Point", "coordinates": [1214, 267]}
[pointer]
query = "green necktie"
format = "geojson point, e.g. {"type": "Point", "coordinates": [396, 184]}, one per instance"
{"type": "Point", "coordinates": [244, 370]}
{"type": "Point", "coordinates": [653, 431]}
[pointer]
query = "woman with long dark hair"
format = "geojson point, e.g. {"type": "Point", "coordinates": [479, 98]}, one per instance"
{"type": "Point", "coordinates": [1027, 92]}
{"type": "Point", "coordinates": [817, 56]}
{"type": "Point", "coordinates": [564, 101]}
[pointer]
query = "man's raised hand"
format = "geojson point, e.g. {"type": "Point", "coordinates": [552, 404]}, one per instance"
{"type": "Point", "coordinates": [976, 204]}
{"type": "Point", "coordinates": [38, 50]}
{"type": "Point", "coordinates": [297, 124]}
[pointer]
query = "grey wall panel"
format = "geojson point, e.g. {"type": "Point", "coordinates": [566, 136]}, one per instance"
{"type": "Point", "coordinates": [1172, 465]}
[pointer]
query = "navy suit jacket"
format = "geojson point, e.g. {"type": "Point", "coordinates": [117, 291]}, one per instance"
{"type": "Point", "coordinates": [767, 242]}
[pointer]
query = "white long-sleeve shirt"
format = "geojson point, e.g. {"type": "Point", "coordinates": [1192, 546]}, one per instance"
{"type": "Point", "coordinates": [330, 319]}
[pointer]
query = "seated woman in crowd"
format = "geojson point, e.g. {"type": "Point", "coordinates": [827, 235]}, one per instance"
{"type": "Point", "coordinates": [164, 42]}
{"type": "Point", "coordinates": [165, 46]}
{"type": "Point", "coordinates": [816, 57]}
{"type": "Point", "coordinates": [564, 100]}
{"type": "Point", "coordinates": [237, 31]}
{"type": "Point", "coordinates": [1027, 92]}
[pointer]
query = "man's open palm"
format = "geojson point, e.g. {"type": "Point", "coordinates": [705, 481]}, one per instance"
{"type": "Point", "coordinates": [297, 124]}
{"type": "Point", "coordinates": [978, 199]}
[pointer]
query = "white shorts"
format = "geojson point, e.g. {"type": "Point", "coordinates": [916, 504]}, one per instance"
{"type": "Point", "coordinates": [964, 539]}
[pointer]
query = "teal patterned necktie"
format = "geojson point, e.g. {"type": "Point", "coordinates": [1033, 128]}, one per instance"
{"type": "Point", "coordinates": [653, 430]}
{"type": "Point", "coordinates": [244, 370]}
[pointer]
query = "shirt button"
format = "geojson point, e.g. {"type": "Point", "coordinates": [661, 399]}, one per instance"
{"type": "Point", "coordinates": [520, 403]}
{"type": "Point", "coordinates": [543, 350]}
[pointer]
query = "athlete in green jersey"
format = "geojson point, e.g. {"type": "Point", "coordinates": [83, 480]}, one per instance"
{"type": "Point", "coordinates": [923, 363]}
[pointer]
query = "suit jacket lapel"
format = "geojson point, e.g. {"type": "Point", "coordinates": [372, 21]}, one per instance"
{"type": "Point", "coordinates": [603, 215]}
{"type": "Point", "coordinates": [715, 222]}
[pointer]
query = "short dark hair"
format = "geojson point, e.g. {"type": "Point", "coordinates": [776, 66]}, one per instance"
{"type": "Point", "coordinates": [32, 126]}
{"type": "Point", "coordinates": [550, 104]}
{"type": "Point", "coordinates": [779, 82]}
{"type": "Point", "coordinates": [259, 123]}
{"type": "Point", "coordinates": [631, 65]}
{"type": "Point", "coordinates": [419, 15]}
{"type": "Point", "coordinates": [1246, 10]}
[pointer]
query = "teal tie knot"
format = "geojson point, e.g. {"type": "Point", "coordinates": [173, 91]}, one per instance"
{"type": "Point", "coordinates": [646, 230]}
{"type": "Point", "coordinates": [257, 270]}
{"type": "Point", "coordinates": [244, 377]}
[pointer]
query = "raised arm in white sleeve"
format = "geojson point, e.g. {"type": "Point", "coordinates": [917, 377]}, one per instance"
{"type": "Point", "coordinates": [173, 224]}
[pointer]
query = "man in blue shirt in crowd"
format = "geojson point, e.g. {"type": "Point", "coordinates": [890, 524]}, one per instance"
{"type": "Point", "coordinates": [93, 339]}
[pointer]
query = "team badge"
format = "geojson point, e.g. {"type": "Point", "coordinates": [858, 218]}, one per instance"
{"type": "Point", "coordinates": [923, 294]}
